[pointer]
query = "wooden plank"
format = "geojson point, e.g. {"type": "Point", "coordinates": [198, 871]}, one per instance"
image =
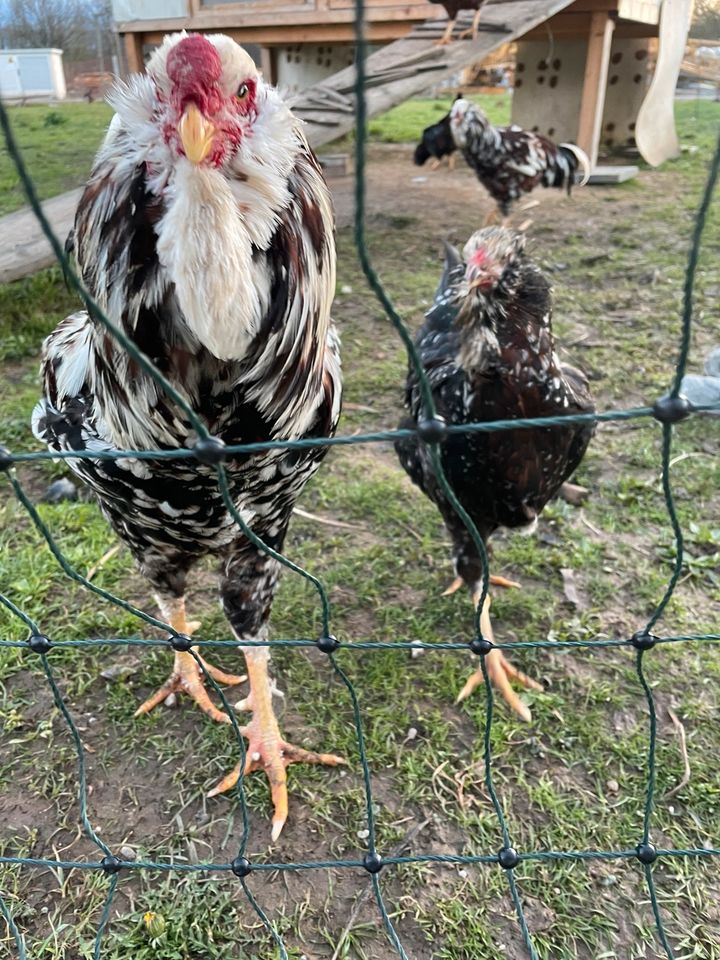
{"type": "Point", "coordinates": [299, 33]}
{"type": "Point", "coordinates": [133, 52]}
{"type": "Point", "coordinates": [594, 84]}
{"type": "Point", "coordinates": [279, 20]}
{"type": "Point", "coordinates": [641, 11]}
{"type": "Point", "coordinates": [577, 28]}
{"type": "Point", "coordinates": [171, 25]}
{"type": "Point", "coordinates": [655, 133]}
{"type": "Point", "coordinates": [267, 63]}
{"type": "Point", "coordinates": [24, 249]}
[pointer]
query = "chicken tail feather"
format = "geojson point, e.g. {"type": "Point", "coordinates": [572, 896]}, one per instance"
{"type": "Point", "coordinates": [580, 159]}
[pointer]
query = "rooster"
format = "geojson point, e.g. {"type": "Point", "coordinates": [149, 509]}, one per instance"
{"type": "Point", "coordinates": [488, 351]}
{"type": "Point", "coordinates": [206, 233]}
{"type": "Point", "coordinates": [508, 161]}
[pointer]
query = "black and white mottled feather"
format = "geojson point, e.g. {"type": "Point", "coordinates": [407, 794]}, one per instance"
{"type": "Point", "coordinates": [223, 274]}
{"type": "Point", "coordinates": [508, 161]}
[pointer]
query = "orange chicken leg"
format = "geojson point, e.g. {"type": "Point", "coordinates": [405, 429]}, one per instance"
{"type": "Point", "coordinates": [187, 676]}
{"type": "Point", "coordinates": [500, 670]}
{"type": "Point", "coordinates": [266, 749]}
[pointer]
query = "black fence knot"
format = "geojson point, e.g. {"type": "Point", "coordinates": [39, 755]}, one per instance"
{"type": "Point", "coordinates": [210, 451]}
{"type": "Point", "coordinates": [642, 640]}
{"type": "Point", "coordinates": [373, 862]}
{"type": "Point", "coordinates": [39, 643]}
{"type": "Point", "coordinates": [481, 646]}
{"type": "Point", "coordinates": [111, 864]}
{"type": "Point", "coordinates": [180, 642]}
{"type": "Point", "coordinates": [432, 430]}
{"type": "Point", "coordinates": [328, 644]}
{"type": "Point", "coordinates": [6, 459]}
{"type": "Point", "coordinates": [646, 853]}
{"type": "Point", "coordinates": [241, 867]}
{"type": "Point", "coordinates": [672, 409]}
{"type": "Point", "coordinates": [508, 858]}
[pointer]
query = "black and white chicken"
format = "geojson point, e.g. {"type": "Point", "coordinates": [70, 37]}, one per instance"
{"type": "Point", "coordinates": [508, 161]}
{"type": "Point", "coordinates": [488, 351]}
{"type": "Point", "coordinates": [205, 232]}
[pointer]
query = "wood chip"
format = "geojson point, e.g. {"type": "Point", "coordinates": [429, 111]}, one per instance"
{"type": "Point", "coordinates": [569, 587]}
{"type": "Point", "coordinates": [573, 494]}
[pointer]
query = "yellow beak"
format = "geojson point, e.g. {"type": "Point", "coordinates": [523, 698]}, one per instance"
{"type": "Point", "coordinates": [196, 134]}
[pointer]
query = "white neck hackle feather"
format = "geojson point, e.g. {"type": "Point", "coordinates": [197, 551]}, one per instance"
{"type": "Point", "coordinates": [213, 215]}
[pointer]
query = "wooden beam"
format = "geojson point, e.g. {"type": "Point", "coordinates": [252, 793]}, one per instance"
{"type": "Point", "coordinates": [264, 14]}
{"type": "Point", "coordinates": [133, 52]}
{"type": "Point", "coordinates": [278, 35]}
{"type": "Point", "coordinates": [595, 84]}
{"type": "Point", "coordinates": [577, 27]}
{"type": "Point", "coordinates": [267, 63]}
{"type": "Point", "coordinates": [592, 6]}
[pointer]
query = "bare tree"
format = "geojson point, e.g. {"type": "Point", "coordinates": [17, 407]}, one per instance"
{"type": "Point", "coordinates": [81, 28]}
{"type": "Point", "coordinates": [706, 20]}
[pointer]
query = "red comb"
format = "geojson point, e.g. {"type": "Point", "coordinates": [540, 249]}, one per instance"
{"type": "Point", "coordinates": [479, 257]}
{"type": "Point", "coordinates": [194, 61]}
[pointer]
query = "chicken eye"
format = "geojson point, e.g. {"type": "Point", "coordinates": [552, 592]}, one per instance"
{"type": "Point", "coordinates": [242, 91]}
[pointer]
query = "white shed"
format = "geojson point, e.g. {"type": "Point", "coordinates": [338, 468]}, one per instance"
{"type": "Point", "coordinates": [31, 73]}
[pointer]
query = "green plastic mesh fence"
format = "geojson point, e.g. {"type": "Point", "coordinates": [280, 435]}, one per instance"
{"type": "Point", "coordinates": [666, 411]}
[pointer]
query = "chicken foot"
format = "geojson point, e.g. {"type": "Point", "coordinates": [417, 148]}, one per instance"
{"type": "Point", "coordinates": [446, 38]}
{"type": "Point", "coordinates": [266, 749]}
{"type": "Point", "coordinates": [495, 579]}
{"type": "Point", "coordinates": [499, 669]}
{"type": "Point", "coordinates": [187, 674]}
{"type": "Point", "coordinates": [474, 29]}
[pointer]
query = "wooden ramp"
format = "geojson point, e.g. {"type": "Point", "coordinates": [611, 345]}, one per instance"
{"type": "Point", "coordinates": [412, 65]}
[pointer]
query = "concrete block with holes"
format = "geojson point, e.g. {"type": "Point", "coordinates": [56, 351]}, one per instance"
{"type": "Point", "coordinates": [583, 76]}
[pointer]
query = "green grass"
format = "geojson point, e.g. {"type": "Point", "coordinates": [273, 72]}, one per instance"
{"type": "Point", "coordinates": [403, 123]}
{"type": "Point", "coordinates": [384, 576]}
{"type": "Point", "coordinates": [58, 145]}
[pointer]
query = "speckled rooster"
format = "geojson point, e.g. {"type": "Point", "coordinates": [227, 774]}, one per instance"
{"type": "Point", "coordinates": [206, 233]}
{"type": "Point", "coordinates": [488, 351]}
{"type": "Point", "coordinates": [508, 161]}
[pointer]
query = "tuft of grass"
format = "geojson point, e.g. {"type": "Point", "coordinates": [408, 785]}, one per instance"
{"type": "Point", "coordinates": [58, 145]}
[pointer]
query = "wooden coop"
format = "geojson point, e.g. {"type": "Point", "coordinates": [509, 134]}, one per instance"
{"type": "Point", "coordinates": [297, 43]}
{"type": "Point", "coordinates": [581, 70]}
{"type": "Point", "coordinates": [584, 74]}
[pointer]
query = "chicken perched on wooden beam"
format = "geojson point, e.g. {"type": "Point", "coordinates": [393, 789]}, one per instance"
{"type": "Point", "coordinates": [206, 233]}
{"type": "Point", "coordinates": [453, 8]}
{"type": "Point", "coordinates": [508, 161]}
{"type": "Point", "coordinates": [488, 351]}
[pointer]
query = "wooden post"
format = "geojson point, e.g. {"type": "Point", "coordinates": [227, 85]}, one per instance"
{"type": "Point", "coordinates": [133, 52]}
{"type": "Point", "coordinates": [267, 63]}
{"type": "Point", "coordinates": [595, 84]}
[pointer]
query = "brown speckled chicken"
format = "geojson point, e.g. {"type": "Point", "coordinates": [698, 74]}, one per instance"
{"type": "Point", "coordinates": [488, 351]}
